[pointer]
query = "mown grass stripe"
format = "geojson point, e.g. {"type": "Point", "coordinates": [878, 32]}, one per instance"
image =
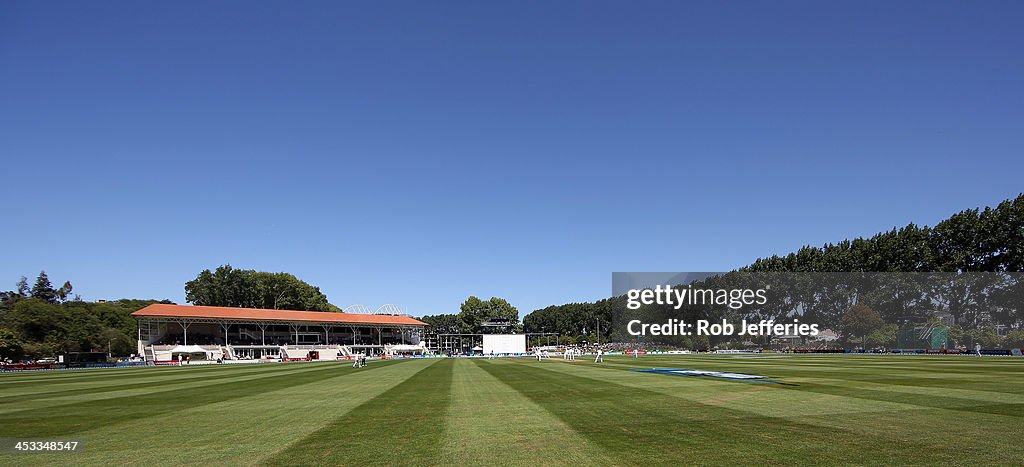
{"type": "Point", "coordinates": [168, 387]}
{"type": "Point", "coordinates": [934, 378]}
{"type": "Point", "coordinates": [938, 370]}
{"type": "Point", "coordinates": [489, 422]}
{"type": "Point", "coordinates": [755, 398]}
{"type": "Point", "coordinates": [495, 412]}
{"type": "Point", "coordinates": [899, 391]}
{"type": "Point", "coordinates": [925, 390]}
{"type": "Point", "coordinates": [57, 377]}
{"type": "Point", "coordinates": [909, 432]}
{"type": "Point", "coordinates": [644, 427]}
{"type": "Point", "coordinates": [933, 401]}
{"type": "Point", "coordinates": [64, 420]}
{"type": "Point", "coordinates": [402, 426]}
{"type": "Point", "coordinates": [119, 384]}
{"type": "Point", "coordinates": [243, 430]}
{"type": "Point", "coordinates": [852, 381]}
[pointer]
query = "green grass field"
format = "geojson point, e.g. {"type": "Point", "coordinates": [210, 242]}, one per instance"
{"type": "Point", "coordinates": [831, 409]}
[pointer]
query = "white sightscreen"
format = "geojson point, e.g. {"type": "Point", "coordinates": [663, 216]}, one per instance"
{"type": "Point", "coordinates": [504, 343]}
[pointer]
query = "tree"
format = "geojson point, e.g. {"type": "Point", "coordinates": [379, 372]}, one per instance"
{"type": "Point", "coordinates": [224, 286]}
{"type": "Point", "coordinates": [1015, 339]}
{"type": "Point", "coordinates": [283, 291]}
{"type": "Point", "coordinates": [884, 336]}
{"type": "Point", "coordinates": [442, 324]}
{"type": "Point", "coordinates": [859, 321]}
{"type": "Point", "coordinates": [8, 299]}
{"type": "Point", "coordinates": [23, 289]}
{"type": "Point", "coordinates": [973, 240]}
{"type": "Point", "coordinates": [64, 291]}
{"type": "Point", "coordinates": [37, 321]}
{"type": "Point", "coordinates": [471, 314]}
{"type": "Point", "coordinates": [10, 345]}
{"type": "Point", "coordinates": [474, 311]}
{"type": "Point", "coordinates": [986, 336]}
{"type": "Point", "coordinates": [45, 329]}
{"type": "Point", "coordinates": [502, 309]}
{"type": "Point", "coordinates": [117, 342]}
{"type": "Point", "coordinates": [43, 289]}
{"type": "Point", "coordinates": [244, 288]}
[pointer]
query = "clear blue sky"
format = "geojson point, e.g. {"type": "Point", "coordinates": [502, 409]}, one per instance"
{"type": "Point", "coordinates": [420, 152]}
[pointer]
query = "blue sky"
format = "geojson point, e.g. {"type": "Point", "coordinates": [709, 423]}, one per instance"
{"type": "Point", "coordinates": [420, 152]}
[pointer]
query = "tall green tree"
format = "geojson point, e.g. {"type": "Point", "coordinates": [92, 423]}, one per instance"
{"type": "Point", "coordinates": [43, 289]}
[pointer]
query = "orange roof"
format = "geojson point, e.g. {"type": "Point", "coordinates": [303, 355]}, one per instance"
{"type": "Point", "coordinates": [218, 312]}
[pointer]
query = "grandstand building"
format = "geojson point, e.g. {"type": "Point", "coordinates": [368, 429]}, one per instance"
{"type": "Point", "coordinates": [214, 333]}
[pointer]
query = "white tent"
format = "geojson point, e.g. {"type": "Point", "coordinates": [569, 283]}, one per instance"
{"type": "Point", "coordinates": [406, 348]}
{"type": "Point", "coordinates": [189, 349]}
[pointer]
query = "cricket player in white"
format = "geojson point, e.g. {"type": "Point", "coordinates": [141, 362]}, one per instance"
{"type": "Point", "coordinates": [600, 357]}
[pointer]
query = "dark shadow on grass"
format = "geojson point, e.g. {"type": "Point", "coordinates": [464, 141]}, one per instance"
{"type": "Point", "coordinates": [402, 426]}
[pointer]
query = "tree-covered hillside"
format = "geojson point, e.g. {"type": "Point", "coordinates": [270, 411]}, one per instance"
{"type": "Point", "coordinates": [974, 240]}
{"type": "Point", "coordinates": [43, 321]}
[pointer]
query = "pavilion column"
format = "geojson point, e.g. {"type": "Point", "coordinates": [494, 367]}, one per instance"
{"type": "Point", "coordinates": [184, 329]}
